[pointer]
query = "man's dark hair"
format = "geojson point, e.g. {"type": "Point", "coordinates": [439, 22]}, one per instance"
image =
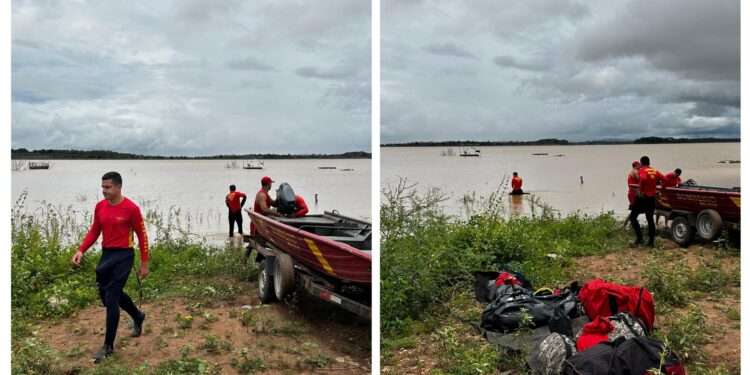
{"type": "Point", "coordinates": [515, 173]}
{"type": "Point", "coordinates": [645, 161]}
{"type": "Point", "coordinates": [678, 171]}
{"type": "Point", "coordinates": [114, 176]}
{"type": "Point", "coordinates": [232, 188]}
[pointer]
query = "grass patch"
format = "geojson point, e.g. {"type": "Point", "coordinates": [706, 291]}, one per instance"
{"type": "Point", "coordinates": [44, 285]}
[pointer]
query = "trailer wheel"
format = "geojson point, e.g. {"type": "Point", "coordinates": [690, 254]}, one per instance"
{"type": "Point", "coordinates": [682, 231]}
{"type": "Point", "coordinates": [708, 224]}
{"type": "Point", "coordinates": [283, 281]}
{"type": "Point", "coordinates": [265, 283]}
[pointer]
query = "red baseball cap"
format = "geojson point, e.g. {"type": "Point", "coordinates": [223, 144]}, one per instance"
{"type": "Point", "coordinates": [266, 180]}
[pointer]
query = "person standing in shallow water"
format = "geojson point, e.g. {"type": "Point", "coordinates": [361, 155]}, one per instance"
{"type": "Point", "coordinates": [516, 184]}
{"type": "Point", "coordinates": [116, 218]}
{"type": "Point", "coordinates": [234, 201]}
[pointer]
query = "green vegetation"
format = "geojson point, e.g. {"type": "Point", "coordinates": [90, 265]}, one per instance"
{"type": "Point", "coordinates": [428, 257]}
{"type": "Point", "coordinates": [46, 287]}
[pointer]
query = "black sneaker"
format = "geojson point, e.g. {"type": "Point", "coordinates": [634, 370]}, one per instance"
{"type": "Point", "coordinates": [636, 243]}
{"type": "Point", "coordinates": [138, 325]}
{"type": "Point", "coordinates": [103, 353]}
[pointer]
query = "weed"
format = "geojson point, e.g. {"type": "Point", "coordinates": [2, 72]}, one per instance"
{"type": "Point", "coordinates": [318, 361]}
{"type": "Point", "coordinates": [245, 365]}
{"type": "Point", "coordinates": [687, 334]}
{"type": "Point", "coordinates": [668, 283]}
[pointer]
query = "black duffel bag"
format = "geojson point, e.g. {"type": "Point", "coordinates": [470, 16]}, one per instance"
{"type": "Point", "coordinates": [515, 307]}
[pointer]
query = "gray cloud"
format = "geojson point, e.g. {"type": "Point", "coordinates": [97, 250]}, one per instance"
{"type": "Point", "coordinates": [449, 49]}
{"type": "Point", "coordinates": [249, 63]}
{"type": "Point", "coordinates": [190, 77]}
{"type": "Point", "coordinates": [511, 62]}
{"type": "Point", "coordinates": [570, 69]}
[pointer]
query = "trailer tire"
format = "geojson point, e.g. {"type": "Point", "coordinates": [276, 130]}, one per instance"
{"type": "Point", "coordinates": [682, 231]}
{"type": "Point", "coordinates": [708, 224]}
{"type": "Point", "coordinates": [283, 281]}
{"type": "Point", "coordinates": [265, 283]}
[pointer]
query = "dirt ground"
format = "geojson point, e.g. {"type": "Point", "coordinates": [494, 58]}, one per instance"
{"type": "Point", "coordinates": [421, 354]}
{"type": "Point", "coordinates": [301, 336]}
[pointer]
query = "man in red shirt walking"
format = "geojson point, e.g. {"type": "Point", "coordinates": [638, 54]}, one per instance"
{"type": "Point", "coordinates": [116, 218]}
{"type": "Point", "coordinates": [645, 202]}
{"type": "Point", "coordinates": [235, 200]}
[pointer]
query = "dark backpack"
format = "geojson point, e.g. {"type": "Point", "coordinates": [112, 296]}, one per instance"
{"type": "Point", "coordinates": [285, 199]}
{"type": "Point", "coordinates": [633, 356]}
{"type": "Point", "coordinates": [485, 284]}
{"type": "Point", "coordinates": [513, 304]}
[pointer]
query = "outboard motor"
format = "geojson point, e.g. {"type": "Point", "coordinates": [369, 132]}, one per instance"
{"type": "Point", "coordinates": [285, 202]}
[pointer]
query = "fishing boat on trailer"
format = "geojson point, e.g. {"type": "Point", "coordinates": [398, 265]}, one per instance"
{"type": "Point", "coordinates": [328, 255]}
{"type": "Point", "coordinates": [702, 210]}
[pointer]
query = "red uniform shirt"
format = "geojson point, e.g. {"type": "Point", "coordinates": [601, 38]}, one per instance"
{"type": "Point", "coordinates": [117, 223]}
{"type": "Point", "coordinates": [302, 209]}
{"type": "Point", "coordinates": [671, 179]}
{"type": "Point", "coordinates": [647, 180]}
{"type": "Point", "coordinates": [516, 183]}
{"type": "Point", "coordinates": [234, 199]}
{"type": "Point", "coordinates": [632, 190]}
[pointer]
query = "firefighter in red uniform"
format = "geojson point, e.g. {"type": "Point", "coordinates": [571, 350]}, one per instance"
{"type": "Point", "coordinates": [116, 218]}
{"type": "Point", "coordinates": [672, 179]}
{"type": "Point", "coordinates": [516, 183]}
{"type": "Point", "coordinates": [234, 201]}
{"type": "Point", "coordinates": [645, 202]}
{"type": "Point", "coordinates": [302, 209]}
{"type": "Point", "coordinates": [263, 201]}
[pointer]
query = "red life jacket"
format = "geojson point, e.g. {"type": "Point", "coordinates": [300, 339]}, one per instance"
{"type": "Point", "coordinates": [599, 298]}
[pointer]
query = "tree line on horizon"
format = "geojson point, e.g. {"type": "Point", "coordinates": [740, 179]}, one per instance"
{"type": "Point", "coordinates": [560, 142]}
{"type": "Point", "coordinates": [23, 153]}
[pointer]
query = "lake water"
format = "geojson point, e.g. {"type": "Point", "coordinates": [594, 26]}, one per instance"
{"type": "Point", "coordinates": [196, 187]}
{"type": "Point", "coordinates": [556, 179]}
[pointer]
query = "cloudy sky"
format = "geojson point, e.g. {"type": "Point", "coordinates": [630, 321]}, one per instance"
{"type": "Point", "coordinates": [192, 77]}
{"type": "Point", "coordinates": [523, 70]}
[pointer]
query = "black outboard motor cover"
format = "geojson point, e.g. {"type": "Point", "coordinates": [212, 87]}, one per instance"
{"type": "Point", "coordinates": [285, 203]}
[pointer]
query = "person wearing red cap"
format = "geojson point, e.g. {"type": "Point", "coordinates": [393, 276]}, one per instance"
{"type": "Point", "coordinates": [263, 201]}
{"type": "Point", "coordinates": [116, 218]}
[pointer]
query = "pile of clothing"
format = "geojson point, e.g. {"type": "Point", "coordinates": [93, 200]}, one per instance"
{"type": "Point", "coordinates": [599, 328]}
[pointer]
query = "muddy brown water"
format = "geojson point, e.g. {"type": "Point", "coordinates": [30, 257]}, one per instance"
{"type": "Point", "coordinates": [196, 187]}
{"type": "Point", "coordinates": [555, 176]}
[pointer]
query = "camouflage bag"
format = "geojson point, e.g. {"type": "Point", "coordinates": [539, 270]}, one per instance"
{"type": "Point", "coordinates": [551, 354]}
